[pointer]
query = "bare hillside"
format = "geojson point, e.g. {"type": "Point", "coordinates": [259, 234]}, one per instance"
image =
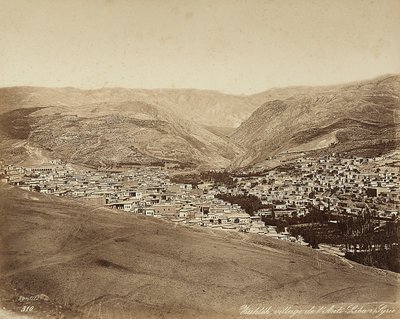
{"type": "Point", "coordinates": [116, 126]}
{"type": "Point", "coordinates": [204, 107]}
{"type": "Point", "coordinates": [94, 262]}
{"type": "Point", "coordinates": [126, 133]}
{"type": "Point", "coordinates": [360, 118]}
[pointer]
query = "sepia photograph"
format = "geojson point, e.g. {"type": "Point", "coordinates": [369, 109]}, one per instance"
{"type": "Point", "coordinates": [203, 159]}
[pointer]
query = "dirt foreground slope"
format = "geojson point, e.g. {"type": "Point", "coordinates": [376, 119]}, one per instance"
{"type": "Point", "coordinates": [85, 262]}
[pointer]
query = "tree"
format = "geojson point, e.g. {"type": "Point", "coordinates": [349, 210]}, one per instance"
{"type": "Point", "coordinates": [280, 227]}
{"type": "Point", "coordinates": [250, 203]}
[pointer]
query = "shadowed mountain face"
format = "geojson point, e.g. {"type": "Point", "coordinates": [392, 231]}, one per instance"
{"type": "Point", "coordinates": [93, 262]}
{"type": "Point", "coordinates": [126, 126]}
{"type": "Point", "coordinates": [360, 118]}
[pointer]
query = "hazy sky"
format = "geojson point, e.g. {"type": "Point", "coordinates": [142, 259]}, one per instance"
{"type": "Point", "coordinates": [227, 45]}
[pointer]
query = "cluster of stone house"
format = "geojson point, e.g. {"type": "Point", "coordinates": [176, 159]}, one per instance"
{"type": "Point", "coordinates": [146, 191]}
{"type": "Point", "coordinates": [330, 183]}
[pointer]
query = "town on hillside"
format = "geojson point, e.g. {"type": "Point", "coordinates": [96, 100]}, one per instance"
{"type": "Point", "coordinates": [345, 205]}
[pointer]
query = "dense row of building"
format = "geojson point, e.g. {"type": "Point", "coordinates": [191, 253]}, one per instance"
{"type": "Point", "coordinates": [330, 183]}
{"type": "Point", "coordinates": [146, 191]}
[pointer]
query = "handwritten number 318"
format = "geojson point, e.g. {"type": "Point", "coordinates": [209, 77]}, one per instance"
{"type": "Point", "coordinates": [27, 308]}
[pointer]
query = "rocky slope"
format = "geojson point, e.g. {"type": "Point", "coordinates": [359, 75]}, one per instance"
{"type": "Point", "coordinates": [133, 126]}
{"type": "Point", "coordinates": [93, 262]}
{"type": "Point", "coordinates": [360, 118]}
{"type": "Point", "coordinates": [121, 126]}
{"type": "Point", "coordinates": [205, 107]}
{"type": "Point", "coordinates": [127, 133]}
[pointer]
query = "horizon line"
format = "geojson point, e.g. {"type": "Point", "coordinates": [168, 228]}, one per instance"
{"type": "Point", "coordinates": [386, 75]}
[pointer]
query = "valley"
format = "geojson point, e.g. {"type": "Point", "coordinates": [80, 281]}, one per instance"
{"type": "Point", "coordinates": [204, 129]}
{"type": "Point", "coordinates": [174, 203]}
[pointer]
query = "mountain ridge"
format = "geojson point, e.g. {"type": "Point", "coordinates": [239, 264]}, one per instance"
{"type": "Point", "coordinates": [272, 128]}
{"type": "Point", "coordinates": [199, 127]}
